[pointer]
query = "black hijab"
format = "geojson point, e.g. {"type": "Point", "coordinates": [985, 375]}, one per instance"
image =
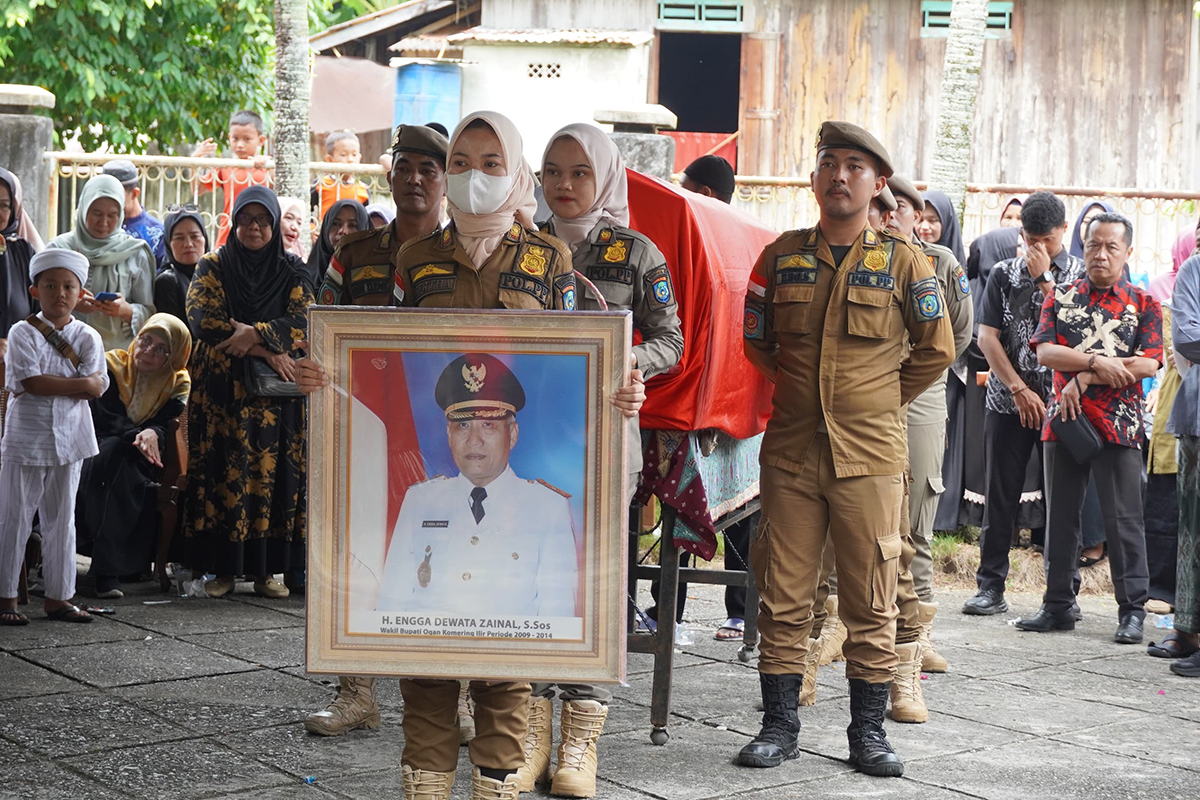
{"type": "Point", "coordinates": [951, 235]}
{"type": "Point", "coordinates": [258, 282]}
{"type": "Point", "coordinates": [15, 301]}
{"type": "Point", "coordinates": [184, 271]}
{"type": "Point", "coordinates": [322, 254]}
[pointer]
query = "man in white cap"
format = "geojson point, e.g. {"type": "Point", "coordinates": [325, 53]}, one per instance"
{"type": "Point", "coordinates": [54, 365]}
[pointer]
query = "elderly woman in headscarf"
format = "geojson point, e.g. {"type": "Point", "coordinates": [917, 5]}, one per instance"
{"type": "Point", "coordinates": [119, 264]}
{"type": "Point", "coordinates": [293, 224]}
{"type": "Point", "coordinates": [186, 242]}
{"type": "Point", "coordinates": [246, 505]}
{"type": "Point", "coordinates": [116, 513]}
{"type": "Point", "coordinates": [939, 224]}
{"type": "Point", "coordinates": [18, 242]}
{"type": "Point", "coordinates": [343, 218]}
{"type": "Point", "coordinates": [584, 183]}
{"type": "Point", "coordinates": [1010, 212]}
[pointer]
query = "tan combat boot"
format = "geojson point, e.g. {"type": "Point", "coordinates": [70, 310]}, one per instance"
{"type": "Point", "coordinates": [908, 701]}
{"type": "Point", "coordinates": [931, 660]}
{"type": "Point", "coordinates": [808, 690]}
{"type": "Point", "coordinates": [833, 633]}
{"type": "Point", "coordinates": [466, 714]}
{"type": "Point", "coordinates": [582, 724]}
{"type": "Point", "coordinates": [484, 788]}
{"type": "Point", "coordinates": [538, 745]}
{"type": "Point", "coordinates": [354, 707]}
{"type": "Point", "coordinates": [424, 784]}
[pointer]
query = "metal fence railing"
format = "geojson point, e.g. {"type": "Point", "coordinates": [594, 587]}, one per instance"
{"type": "Point", "coordinates": [780, 203]}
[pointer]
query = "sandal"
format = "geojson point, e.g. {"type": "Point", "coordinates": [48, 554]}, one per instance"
{"type": "Point", "coordinates": [1172, 646]}
{"type": "Point", "coordinates": [1187, 667]}
{"type": "Point", "coordinates": [1088, 561]}
{"type": "Point", "coordinates": [69, 613]}
{"type": "Point", "coordinates": [731, 630]}
{"type": "Point", "coordinates": [10, 616]}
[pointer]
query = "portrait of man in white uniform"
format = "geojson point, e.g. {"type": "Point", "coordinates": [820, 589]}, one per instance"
{"type": "Point", "coordinates": [484, 542]}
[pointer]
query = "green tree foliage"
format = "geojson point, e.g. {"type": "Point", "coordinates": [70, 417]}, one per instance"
{"type": "Point", "coordinates": [131, 72]}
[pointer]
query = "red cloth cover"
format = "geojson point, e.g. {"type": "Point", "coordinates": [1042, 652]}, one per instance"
{"type": "Point", "coordinates": [710, 249]}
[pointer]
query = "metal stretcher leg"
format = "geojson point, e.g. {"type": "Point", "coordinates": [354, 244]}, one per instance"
{"type": "Point", "coordinates": [664, 644]}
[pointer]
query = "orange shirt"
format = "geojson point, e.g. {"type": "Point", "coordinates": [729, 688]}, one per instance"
{"type": "Point", "coordinates": [232, 181]}
{"type": "Point", "coordinates": [329, 189]}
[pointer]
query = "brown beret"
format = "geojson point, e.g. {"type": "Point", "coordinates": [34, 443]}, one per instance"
{"type": "Point", "coordinates": [833, 133]}
{"type": "Point", "coordinates": [887, 199]}
{"type": "Point", "coordinates": [903, 186]}
{"type": "Point", "coordinates": [420, 139]}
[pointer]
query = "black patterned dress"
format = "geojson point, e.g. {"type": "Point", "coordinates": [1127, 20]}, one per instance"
{"type": "Point", "coordinates": [246, 510]}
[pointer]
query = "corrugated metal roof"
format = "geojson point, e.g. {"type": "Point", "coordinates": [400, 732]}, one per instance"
{"type": "Point", "coordinates": [378, 22]}
{"type": "Point", "coordinates": [546, 36]}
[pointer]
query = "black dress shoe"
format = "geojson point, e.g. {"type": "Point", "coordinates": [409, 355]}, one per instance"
{"type": "Point", "coordinates": [1043, 622]}
{"type": "Point", "coordinates": [1130, 630]}
{"type": "Point", "coordinates": [1076, 612]}
{"type": "Point", "coordinates": [986, 603]}
{"type": "Point", "coordinates": [1187, 667]}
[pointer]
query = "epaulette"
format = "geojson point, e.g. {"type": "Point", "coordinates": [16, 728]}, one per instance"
{"type": "Point", "coordinates": [551, 487]}
{"type": "Point", "coordinates": [358, 236]}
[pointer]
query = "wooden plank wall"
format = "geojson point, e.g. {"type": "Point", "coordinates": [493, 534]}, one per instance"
{"type": "Point", "coordinates": [1084, 93]}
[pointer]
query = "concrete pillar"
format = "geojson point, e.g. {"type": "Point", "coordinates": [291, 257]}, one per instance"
{"type": "Point", "coordinates": [24, 137]}
{"type": "Point", "coordinates": [635, 132]}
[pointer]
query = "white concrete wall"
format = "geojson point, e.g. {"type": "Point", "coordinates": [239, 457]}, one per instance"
{"type": "Point", "coordinates": [496, 78]}
{"type": "Point", "coordinates": [635, 15]}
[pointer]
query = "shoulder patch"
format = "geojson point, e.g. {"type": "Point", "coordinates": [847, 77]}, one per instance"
{"type": "Point", "coordinates": [926, 300]}
{"type": "Point", "coordinates": [960, 280]}
{"type": "Point", "coordinates": [752, 321]}
{"type": "Point", "coordinates": [551, 487]}
{"type": "Point", "coordinates": [565, 286]}
{"type": "Point", "coordinates": [658, 282]}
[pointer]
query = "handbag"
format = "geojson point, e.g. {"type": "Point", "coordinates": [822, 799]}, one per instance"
{"type": "Point", "coordinates": [1079, 436]}
{"type": "Point", "coordinates": [261, 380]}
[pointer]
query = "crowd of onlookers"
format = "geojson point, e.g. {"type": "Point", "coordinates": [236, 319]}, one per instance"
{"type": "Point", "coordinates": [190, 330]}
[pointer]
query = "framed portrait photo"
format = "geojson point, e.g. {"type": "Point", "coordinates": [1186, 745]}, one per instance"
{"type": "Point", "coordinates": [467, 494]}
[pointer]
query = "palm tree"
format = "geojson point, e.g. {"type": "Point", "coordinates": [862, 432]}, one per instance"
{"type": "Point", "coordinates": [960, 87]}
{"type": "Point", "coordinates": [292, 84]}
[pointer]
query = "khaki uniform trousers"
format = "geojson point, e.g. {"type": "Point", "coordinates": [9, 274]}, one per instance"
{"type": "Point", "coordinates": [860, 516]}
{"type": "Point", "coordinates": [431, 724]}
{"type": "Point", "coordinates": [908, 628]}
{"type": "Point", "coordinates": [926, 450]}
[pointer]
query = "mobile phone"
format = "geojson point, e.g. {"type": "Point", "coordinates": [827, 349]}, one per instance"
{"type": "Point", "coordinates": [107, 297]}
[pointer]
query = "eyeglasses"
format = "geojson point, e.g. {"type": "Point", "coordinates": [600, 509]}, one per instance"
{"type": "Point", "coordinates": [261, 220]}
{"type": "Point", "coordinates": [148, 344]}
{"type": "Point", "coordinates": [174, 207]}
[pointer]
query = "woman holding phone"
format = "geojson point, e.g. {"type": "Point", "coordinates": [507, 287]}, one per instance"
{"type": "Point", "coordinates": [119, 295]}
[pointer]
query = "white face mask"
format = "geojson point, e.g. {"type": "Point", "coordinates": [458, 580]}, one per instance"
{"type": "Point", "coordinates": [476, 192]}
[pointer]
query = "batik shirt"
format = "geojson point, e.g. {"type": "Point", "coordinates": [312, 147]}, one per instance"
{"type": "Point", "coordinates": [1119, 322]}
{"type": "Point", "coordinates": [1012, 304]}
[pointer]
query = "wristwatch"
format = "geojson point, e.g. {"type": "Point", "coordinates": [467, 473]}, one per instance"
{"type": "Point", "coordinates": [1043, 278]}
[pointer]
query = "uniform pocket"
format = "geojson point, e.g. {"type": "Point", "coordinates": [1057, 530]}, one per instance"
{"type": "Point", "coordinates": [793, 308]}
{"type": "Point", "coordinates": [885, 572]}
{"type": "Point", "coordinates": [760, 554]}
{"type": "Point", "coordinates": [869, 312]}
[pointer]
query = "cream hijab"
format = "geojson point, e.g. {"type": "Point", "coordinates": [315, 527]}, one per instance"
{"type": "Point", "coordinates": [145, 393]}
{"type": "Point", "coordinates": [611, 204]}
{"type": "Point", "coordinates": [480, 234]}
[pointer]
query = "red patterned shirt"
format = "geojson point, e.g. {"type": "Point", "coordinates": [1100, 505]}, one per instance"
{"type": "Point", "coordinates": [1119, 322]}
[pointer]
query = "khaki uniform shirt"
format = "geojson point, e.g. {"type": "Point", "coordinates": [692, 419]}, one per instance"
{"type": "Point", "coordinates": [930, 407]}
{"type": "Point", "coordinates": [632, 275]}
{"type": "Point", "coordinates": [834, 341]}
{"type": "Point", "coordinates": [361, 271]}
{"type": "Point", "coordinates": [528, 270]}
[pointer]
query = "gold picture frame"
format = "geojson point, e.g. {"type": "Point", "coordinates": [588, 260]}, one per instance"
{"type": "Point", "coordinates": [410, 573]}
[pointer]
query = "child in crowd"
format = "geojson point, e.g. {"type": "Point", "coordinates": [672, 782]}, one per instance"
{"type": "Point", "coordinates": [54, 365]}
{"type": "Point", "coordinates": [246, 140]}
{"type": "Point", "coordinates": [341, 147]}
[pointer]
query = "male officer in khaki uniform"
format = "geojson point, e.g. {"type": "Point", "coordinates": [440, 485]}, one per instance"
{"type": "Point", "coordinates": [927, 414]}
{"type": "Point", "coordinates": [361, 271]}
{"type": "Point", "coordinates": [467, 544]}
{"type": "Point", "coordinates": [361, 274]}
{"type": "Point", "coordinates": [850, 325]}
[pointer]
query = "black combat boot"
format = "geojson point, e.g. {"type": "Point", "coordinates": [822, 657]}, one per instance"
{"type": "Point", "coordinates": [777, 741]}
{"type": "Point", "coordinates": [870, 752]}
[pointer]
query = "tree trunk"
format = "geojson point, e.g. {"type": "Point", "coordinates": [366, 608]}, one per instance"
{"type": "Point", "coordinates": [292, 84]}
{"type": "Point", "coordinates": [960, 87]}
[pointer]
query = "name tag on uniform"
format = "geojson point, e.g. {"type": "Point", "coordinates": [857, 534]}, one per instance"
{"type": "Point", "coordinates": [435, 523]}
{"type": "Point", "coordinates": [796, 275]}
